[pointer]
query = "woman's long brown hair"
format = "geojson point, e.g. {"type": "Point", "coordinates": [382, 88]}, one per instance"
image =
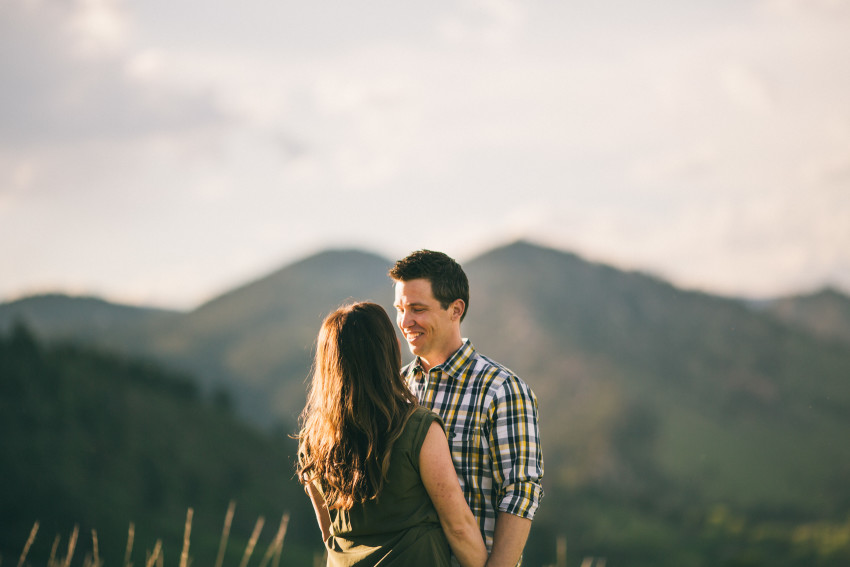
{"type": "Point", "coordinates": [357, 406]}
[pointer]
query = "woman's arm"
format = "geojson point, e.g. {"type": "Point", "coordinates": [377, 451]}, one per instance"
{"type": "Point", "coordinates": [440, 480]}
{"type": "Point", "coordinates": [322, 515]}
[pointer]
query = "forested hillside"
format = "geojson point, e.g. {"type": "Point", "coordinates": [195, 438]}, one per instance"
{"type": "Point", "coordinates": [99, 441]}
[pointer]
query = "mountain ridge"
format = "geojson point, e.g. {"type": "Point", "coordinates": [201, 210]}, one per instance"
{"type": "Point", "coordinates": [825, 313]}
{"type": "Point", "coordinates": [656, 403]}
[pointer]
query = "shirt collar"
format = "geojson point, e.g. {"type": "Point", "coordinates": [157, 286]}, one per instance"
{"type": "Point", "coordinates": [453, 365]}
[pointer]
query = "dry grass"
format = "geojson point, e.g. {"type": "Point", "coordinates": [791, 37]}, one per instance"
{"type": "Point", "coordinates": [154, 557]}
{"type": "Point", "coordinates": [27, 546]}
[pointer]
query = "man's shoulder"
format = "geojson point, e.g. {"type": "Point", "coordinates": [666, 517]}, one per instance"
{"type": "Point", "coordinates": [483, 363]}
{"type": "Point", "coordinates": [498, 382]}
{"type": "Point", "coordinates": [495, 372]}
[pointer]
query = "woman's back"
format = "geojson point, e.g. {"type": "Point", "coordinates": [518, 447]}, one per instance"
{"type": "Point", "coordinates": [380, 462]}
{"type": "Point", "coordinates": [401, 526]}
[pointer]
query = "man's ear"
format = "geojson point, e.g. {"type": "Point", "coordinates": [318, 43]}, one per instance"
{"type": "Point", "coordinates": [457, 308]}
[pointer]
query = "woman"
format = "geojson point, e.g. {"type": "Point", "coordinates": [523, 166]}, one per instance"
{"type": "Point", "coordinates": [376, 466]}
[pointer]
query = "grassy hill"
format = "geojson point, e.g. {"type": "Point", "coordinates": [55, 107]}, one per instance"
{"type": "Point", "coordinates": [679, 428]}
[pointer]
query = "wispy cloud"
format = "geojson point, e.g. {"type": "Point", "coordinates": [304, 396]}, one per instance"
{"type": "Point", "coordinates": [67, 81]}
{"type": "Point", "coordinates": [707, 142]}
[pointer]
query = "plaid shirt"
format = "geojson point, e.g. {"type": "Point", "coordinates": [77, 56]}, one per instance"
{"type": "Point", "coordinates": [490, 416]}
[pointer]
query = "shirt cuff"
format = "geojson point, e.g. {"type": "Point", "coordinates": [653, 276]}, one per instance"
{"type": "Point", "coordinates": [521, 499]}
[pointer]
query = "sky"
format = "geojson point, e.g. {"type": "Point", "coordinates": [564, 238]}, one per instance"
{"type": "Point", "coordinates": [160, 153]}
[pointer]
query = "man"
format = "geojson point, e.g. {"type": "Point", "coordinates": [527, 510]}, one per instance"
{"type": "Point", "coordinates": [490, 414]}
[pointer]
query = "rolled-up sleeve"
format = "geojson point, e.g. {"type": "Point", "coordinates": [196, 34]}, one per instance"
{"type": "Point", "coordinates": [515, 449]}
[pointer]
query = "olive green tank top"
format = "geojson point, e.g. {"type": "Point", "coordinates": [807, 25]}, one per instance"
{"type": "Point", "coordinates": [401, 527]}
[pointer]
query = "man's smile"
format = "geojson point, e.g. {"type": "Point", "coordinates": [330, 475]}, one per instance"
{"type": "Point", "coordinates": [412, 335]}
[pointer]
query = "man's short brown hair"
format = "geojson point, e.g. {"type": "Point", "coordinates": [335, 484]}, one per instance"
{"type": "Point", "coordinates": [448, 280]}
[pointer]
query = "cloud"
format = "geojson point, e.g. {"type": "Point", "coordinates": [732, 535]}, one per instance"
{"type": "Point", "coordinates": [817, 8]}
{"type": "Point", "coordinates": [485, 22]}
{"type": "Point", "coordinates": [98, 25]}
{"type": "Point", "coordinates": [66, 80]}
{"type": "Point", "coordinates": [768, 244]}
{"type": "Point", "coordinates": [685, 165]}
{"type": "Point", "coordinates": [211, 139]}
{"type": "Point", "coordinates": [745, 87]}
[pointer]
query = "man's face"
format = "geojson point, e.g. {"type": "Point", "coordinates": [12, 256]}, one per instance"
{"type": "Point", "coordinates": [429, 329]}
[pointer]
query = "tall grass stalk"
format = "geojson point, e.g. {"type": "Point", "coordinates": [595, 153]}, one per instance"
{"type": "Point", "coordinates": [95, 550]}
{"type": "Point", "coordinates": [155, 558]}
{"type": "Point", "coordinates": [156, 555]}
{"type": "Point", "coordinates": [225, 533]}
{"type": "Point", "coordinates": [131, 535]}
{"type": "Point", "coordinates": [276, 546]}
{"type": "Point", "coordinates": [284, 524]}
{"type": "Point", "coordinates": [72, 545]}
{"type": "Point", "coordinates": [51, 562]}
{"type": "Point", "coordinates": [184, 555]}
{"type": "Point", "coordinates": [561, 552]}
{"type": "Point", "coordinates": [249, 549]}
{"type": "Point", "coordinates": [28, 544]}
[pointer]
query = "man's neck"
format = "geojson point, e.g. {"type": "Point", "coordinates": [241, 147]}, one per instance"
{"type": "Point", "coordinates": [439, 359]}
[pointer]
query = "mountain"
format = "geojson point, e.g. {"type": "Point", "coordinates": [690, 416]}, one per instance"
{"type": "Point", "coordinates": [81, 318]}
{"type": "Point", "coordinates": [254, 341]}
{"type": "Point", "coordinates": [825, 313]}
{"type": "Point", "coordinates": [702, 376]}
{"type": "Point", "coordinates": [679, 428]}
{"type": "Point", "coordinates": [258, 338]}
{"type": "Point", "coordinates": [670, 399]}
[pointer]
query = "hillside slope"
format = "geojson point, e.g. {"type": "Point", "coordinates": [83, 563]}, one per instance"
{"type": "Point", "coordinates": [99, 441]}
{"type": "Point", "coordinates": [634, 373]}
{"type": "Point", "coordinates": [82, 319]}
{"type": "Point", "coordinates": [257, 339]}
